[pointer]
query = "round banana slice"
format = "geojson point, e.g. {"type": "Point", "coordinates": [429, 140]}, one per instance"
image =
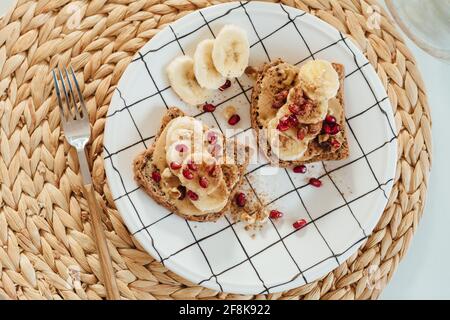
{"type": "Point", "coordinates": [215, 201]}
{"type": "Point", "coordinates": [319, 80]}
{"type": "Point", "coordinates": [176, 153]}
{"type": "Point", "coordinates": [200, 173]}
{"type": "Point", "coordinates": [185, 128]}
{"type": "Point", "coordinates": [317, 114]}
{"type": "Point", "coordinates": [231, 51]}
{"type": "Point", "coordinates": [205, 72]}
{"type": "Point", "coordinates": [283, 144]}
{"type": "Point", "coordinates": [182, 79]}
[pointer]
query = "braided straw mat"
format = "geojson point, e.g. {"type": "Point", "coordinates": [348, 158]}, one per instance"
{"type": "Point", "coordinates": [47, 249]}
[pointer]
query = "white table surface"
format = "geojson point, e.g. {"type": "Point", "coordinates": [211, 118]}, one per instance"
{"type": "Point", "coordinates": [423, 273]}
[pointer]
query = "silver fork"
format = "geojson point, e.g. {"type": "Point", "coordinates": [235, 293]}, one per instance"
{"type": "Point", "coordinates": [75, 124]}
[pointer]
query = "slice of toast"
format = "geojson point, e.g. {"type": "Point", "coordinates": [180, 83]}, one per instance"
{"type": "Point", "coordinates": [143, 168]}
{"type": "Point", "coordinates": [314, 152]}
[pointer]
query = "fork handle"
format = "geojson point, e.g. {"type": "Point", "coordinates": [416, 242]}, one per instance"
{"type": "Point", "coordinates": [109, 278]}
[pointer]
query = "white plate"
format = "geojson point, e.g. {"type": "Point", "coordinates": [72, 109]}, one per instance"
{"type": "Point", "coordinates": [340, 214]}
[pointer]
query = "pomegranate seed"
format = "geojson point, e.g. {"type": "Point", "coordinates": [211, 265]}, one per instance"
{"type": "Point", "coordinates": [335, 144]}
{"type": "Point", "coordinates": [240, 199]}
{"type": "Point", "coordinates": [299, 224]}
{"type": "Point", "coordinates": [192, 195]}
{"type": "Point", "coordinates": [188, 174]}
{"type": "Point", "coordinates": [175, 165]}
{"type": "Point", "coordinates": [212, 172]}
{"type": "Point", "coordinates": [181, 148]}
{"type": "Point", "coordinates": [208, 107]}
{"type": "Point", "coordinates": [203, 182]}
{"type": "Point", "coordinates": [235, 118]}
{"type": "Point", "coordinates": [191, 165]}
{"type": "Point", "coordinates": [156, 176]}
{"type": "Point", "coordinates": [283, 125]}
{"type": "Point", "coordinates": [301, 133]}
{"type": "Point", "coordinates": [293, 121]}
{"type": "Point", "coordinates": [226, 85]}
{"type": "Point", "coordinates": [182, 190]}
{"type": "Point", "coordinates": [295, 109]}
{"type": "Point", "coordinates": [330, 119]}
{"type": "Point", "coordinates": [277, 104]}
{"type": "Point", "coordinates": [300, 169]}
{"type": "Point", "coordinates": [282, 95]}
{"type": "Point", "coordinates": [211, 137]}
{"type": "Point", "coordinates": [315, 182]}
{"type": "Point", "coordinates": [326, 128]}
{"type": "Point", "coordinates": [335, 129]}
{"type": "Point", "coordinates": [332, 129]}
{"type": "Point", "coordinates": [275, 214]}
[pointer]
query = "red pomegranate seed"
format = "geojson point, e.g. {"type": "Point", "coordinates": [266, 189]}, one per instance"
{"type": "Point", "coordinates": [235, 118]}
{"type": "Point", "coordinates": [192, 195]}
{"type": "Point", "coordinates": [315, 182]}
{"type": "Point", "coordinates": [299, 224]}
{"type": "Point", "coordinates": [330, 119]}
{"type": "Point", "coordinates": [188, 174]}
{"type": "Point", "coordinates": [208, 107]}
{"type": "Point", "coordinates": [295, 109]}
{"type": "Point", "coordinates": [212, 172]}
{"type": "Point", "coordinates": [300, 169]}
{"type": "Point", "coordinates": [301, 133]}
{"type": "Point", "coordinates": [335, 129]}
{"type": "Point", "coordinates": [192, 165]}
{"type": "Point", "coordinates": [226, 85]}
{"type": "Point", "coordinates": [326, 128]}
{"type": "Point", "coordinates": [203, 182]}
{"type": "Point", "coordinates": [156, 176]}
{"type": "Point", "coordinates": [211, 137]}
{"type": "Point", "coordinates": [181, 147]}
{"type": "Point", "coordinates": [240, 199]}
{"type": "Point", "coordinates": [293, 121]}
{"type": "Point", "coordinates": [275, 214]}
{"type": "Point", "coordinates": [330, 128]}
{"type": "Point", "coordinates": [283, 125]}
{"type": "Point", "coordinates": [282, 95]}
{"type": "Point", "coordinates": [277, 104]}
{"type": "Point", "coordinates": [175, 165]}
{"type": "Point", "coordinates": [335, 144]}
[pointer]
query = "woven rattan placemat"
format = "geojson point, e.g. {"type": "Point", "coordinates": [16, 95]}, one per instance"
{"type": "Point", "coordinates": [46, 245]}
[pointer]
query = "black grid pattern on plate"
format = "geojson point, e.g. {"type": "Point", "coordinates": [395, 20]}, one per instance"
{"type": "Point", "coordinates": [197, 242]}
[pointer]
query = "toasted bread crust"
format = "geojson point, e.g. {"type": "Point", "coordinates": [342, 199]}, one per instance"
{"type": "Point", "coordinates": [341, 153]}
{"type": "Point", "coordinates": [152, 188]}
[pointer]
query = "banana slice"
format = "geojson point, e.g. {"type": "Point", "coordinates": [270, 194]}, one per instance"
{"type": "Point", "coordinates": [316, 115]}
{"type": "Point", "coordinates": [184, 128]}
{"type": "Point", "coordinates": [177, 152]}
{"type": "Point", "coordinates": [198, 176]}
{"type": "Point", "coordinates": [182, 79]}
{"type": "Point", "coordinates": [205, 72]}
{"type": "Point", "coordinates": [285, 145]}
{"type": "Point", "coordinates": [319, 80]}
{"type": "Point", "coordinates": [231, 51]}
{"type": "Point", "coordinates": [215, 201]}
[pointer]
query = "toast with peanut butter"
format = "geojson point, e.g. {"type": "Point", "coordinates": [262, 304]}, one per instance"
{"type": "Point", "coordinates": [190, 169]}
{"type": "Point", "coordinates": [298, 113]}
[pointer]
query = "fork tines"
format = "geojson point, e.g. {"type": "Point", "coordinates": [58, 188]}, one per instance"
{"type": "Point", "coordinates": [71, 111]}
